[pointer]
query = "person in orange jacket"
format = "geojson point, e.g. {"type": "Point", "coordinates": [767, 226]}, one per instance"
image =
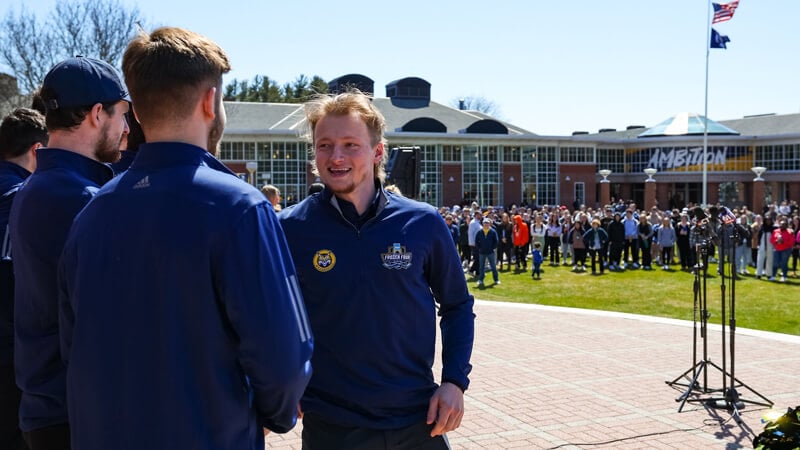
{"type": "Point", "coordinates": [521, 239]}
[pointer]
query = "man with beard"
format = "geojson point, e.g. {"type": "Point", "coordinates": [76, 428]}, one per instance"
{"type": "Point", "coordinates": [85, 103]}
{"type": "Point", "coordinates": [183, 326]}
{"type": "Point", "coordinates": [372, 267]}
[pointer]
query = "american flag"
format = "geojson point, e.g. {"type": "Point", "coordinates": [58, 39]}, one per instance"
{"type": "Point", "coordinates": [724, 11]}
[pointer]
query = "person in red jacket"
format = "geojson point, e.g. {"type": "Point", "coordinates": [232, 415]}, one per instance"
{"type": "Point", "coordinates": [783, 241]}
{"type": "Point", "coordinates": [521, 238]}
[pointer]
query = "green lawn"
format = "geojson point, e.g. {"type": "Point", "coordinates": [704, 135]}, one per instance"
{"type": "Point", "coordinates": [760, 304]}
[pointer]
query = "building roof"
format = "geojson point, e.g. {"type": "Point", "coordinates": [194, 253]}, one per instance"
{"type": "Point", "coordinates": [267, 118]}
{"type": "Point", "coordinates": [686, 124]}
{"type": "Point", "coordinates": [254, 118]}
{"type": "Point", "coordinates": [766, 124]}
{"type": "Point", "coordinates": [771, 125]}
{"type": "Point", "coordinates": [247, 118]}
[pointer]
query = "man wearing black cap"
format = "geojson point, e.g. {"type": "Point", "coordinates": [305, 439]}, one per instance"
{"type": "Point", "coordinates": [86, 103]}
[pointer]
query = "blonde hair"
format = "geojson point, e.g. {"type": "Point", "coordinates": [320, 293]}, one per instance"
{"type": "Point", "coordinates": [270, 192]}
{"type": "Point", "coordinates": [350, 102]}
{"type": "Point", "coordinates": [272, 195]}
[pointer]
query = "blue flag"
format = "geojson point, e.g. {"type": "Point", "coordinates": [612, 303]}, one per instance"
{"type": "Point", "coordinates": [718, 40]}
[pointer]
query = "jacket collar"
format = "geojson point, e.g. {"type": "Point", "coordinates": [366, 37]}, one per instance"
{"type": "Point", "coordinates": [15, 169]}
{"type": "Point", "coordinates": [56, 158]}
{"type": "Point", "coordinates": [378, 203]}
{"type": "Point", "coordinates": [175, 154]}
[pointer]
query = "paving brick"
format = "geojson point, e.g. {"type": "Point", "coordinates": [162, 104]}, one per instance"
{"type": "Point", "coordinates": [547, 377]}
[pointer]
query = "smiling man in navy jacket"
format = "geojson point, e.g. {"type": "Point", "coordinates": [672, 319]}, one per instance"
{"type": "Point", "coordinates": [182, 323]}
{"type": "Point", "coordinates": [85, 104]}
{"type": "Point", "coordinates": [372, 266]}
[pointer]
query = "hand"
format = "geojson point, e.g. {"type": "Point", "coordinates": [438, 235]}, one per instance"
{"type": "Point", "coordinates": [446, 408]}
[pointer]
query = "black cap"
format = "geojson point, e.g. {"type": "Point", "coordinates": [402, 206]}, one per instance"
{"type": "Point", "coordinates": [82, 81]}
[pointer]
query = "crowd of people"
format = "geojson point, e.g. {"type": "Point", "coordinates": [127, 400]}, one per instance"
{"type": "Point", "coordinates": [620, 236]}
{"type": "Point", "coordinates": [150, 298]}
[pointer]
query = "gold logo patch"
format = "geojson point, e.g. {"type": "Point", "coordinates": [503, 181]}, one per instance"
{"type": "Point", "coordinates": [324, 260]}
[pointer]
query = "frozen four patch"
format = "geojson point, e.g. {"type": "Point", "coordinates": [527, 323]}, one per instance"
{"type": "Point", "coordinates": [396, 257]}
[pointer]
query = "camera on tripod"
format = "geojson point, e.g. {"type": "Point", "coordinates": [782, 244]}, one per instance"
{"type": "Point", "coordinates": [704, 237]}
{"type": "Point", "coordinates": [704, 233]}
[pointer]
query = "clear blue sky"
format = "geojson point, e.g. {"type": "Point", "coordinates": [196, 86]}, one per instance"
{"type": "Point", "coordinates": [551, 67]}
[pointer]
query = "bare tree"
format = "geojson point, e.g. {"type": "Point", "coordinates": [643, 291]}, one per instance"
{"type": "Point", "coordinates": [476, 103]}
{"type": "Point", "coordinates": [113, 26]}
{"type": "Point", "coordinates": [97, 28]}
{"type": "Point", "coordinates": [25, 49]}
{"type": "Point", "coordinates": [70, 19]}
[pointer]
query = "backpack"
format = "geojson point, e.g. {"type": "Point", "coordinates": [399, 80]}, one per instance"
{"type": "Point", "coordinates": [782, 433]}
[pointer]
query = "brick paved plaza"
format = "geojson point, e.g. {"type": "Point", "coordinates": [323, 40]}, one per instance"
{"type": "Point", "coordinates": [550, 377]}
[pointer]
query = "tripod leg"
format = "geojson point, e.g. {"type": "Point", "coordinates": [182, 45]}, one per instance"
{"type": "Point", "coordinates": [732, 400]}
{"type": "Point", "coordinates": [683, 398]}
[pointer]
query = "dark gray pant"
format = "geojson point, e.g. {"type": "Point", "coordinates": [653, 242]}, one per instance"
{"type": "Point", "coordinates": [321, 435]}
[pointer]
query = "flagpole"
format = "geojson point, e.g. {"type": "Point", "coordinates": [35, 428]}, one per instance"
{"type": "Point", "coordinates": [705, 112]}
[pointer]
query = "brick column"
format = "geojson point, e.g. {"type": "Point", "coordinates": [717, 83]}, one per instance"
{"type": "Point", "coordinates": [649, 194]}
{"type": "Point", "coordinates": [759, 195]}
{"type": "Point", "coordinates": [605, 193]}
{"type": "Point", "coordinates": [713, 193]}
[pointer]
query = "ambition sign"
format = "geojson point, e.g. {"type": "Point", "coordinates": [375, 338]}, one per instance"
{"type": "Point", "coordinates": [673, 158]}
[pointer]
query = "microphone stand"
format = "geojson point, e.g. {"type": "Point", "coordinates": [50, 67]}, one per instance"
{"type": "Point", "coordinates": [730, 399]}
{"type": "Point", "coordinates": [700, 271]}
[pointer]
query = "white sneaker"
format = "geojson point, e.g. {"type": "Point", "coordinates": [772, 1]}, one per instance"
{"type": "Point", "coordinates": [771, 278]}
{"type": "Point", "coordinates": [783, 279]}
